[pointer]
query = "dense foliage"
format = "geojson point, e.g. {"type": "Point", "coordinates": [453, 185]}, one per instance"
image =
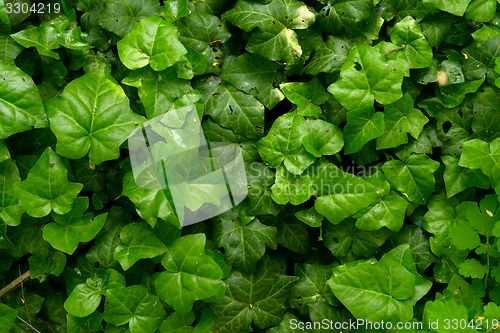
{"type": "Point", "coordinates": [370, 130]}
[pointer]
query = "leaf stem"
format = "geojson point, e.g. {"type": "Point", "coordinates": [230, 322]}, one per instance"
{"type": "Point", "coordinates": [34, 329]}
{"type": "Point", "coordinates": [392, 51]}
{"type": "Point", "coordinates": [14, 284]}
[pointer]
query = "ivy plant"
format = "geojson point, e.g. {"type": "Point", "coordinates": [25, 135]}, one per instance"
{"type": "Point", "coordinates": [369, 137]}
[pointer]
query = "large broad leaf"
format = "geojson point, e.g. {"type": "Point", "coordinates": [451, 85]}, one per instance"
{"type": "Point", "coordinates": [341, 195]}
{"type": "Point", "coordinates": [458, 179]}
{"type": "Point", "coordinates": [121, 16]}
{"type": "Point", "coordinates": [291, 188]}
{"type": "Point", "coordinates": [191, 274]}
{"type": "Point", "coordinates": [481, 10]}
{"type": "Point", "coordinates": [376, 292]}
{"type": "Point", "coordinates": [92, 115]}
{"type": "Point", "coordinates": [153, 41]}
{"type": "Point", "coordinates": [481, 60]}
{"type": "Point", "coordinates": [478, 154]}
{"type": "Point", "coordinates": [362, 126]}
{"type": "Point", "coordinates": [366, 76]}
{"type": "Point", "coordinates": [232, 108]}
{"type": "Point", "coordinates": [414, 177]}
{"type": "Point", "coordinates": [11, 209]}
{"type": "Point", "coordinates": [43, 38]}
{"type": "Point", "coordinates": [138, 243]}
{"type": "Point", "coordinates": [274, 38]}
{"type": "Point", "coordinates": [244, 245]}
{"type": "Point", "coordinates": [306, 95]}
{"type": "Point", "coordinates": [325, 138]}
{"type": "Point", "coordinates": [72, 228]}
{"type": "Point", "coordinates": [256, 76]}
{"type": "Point", "coordinates": [407, 32]}
{"type": "Point", "coordinates": [259, 297]}
{"type": "Point", "coordinates": [135, 306]}
{"type": "Point", "coordinates": [346, 237]}
{"type": "Point", "coordinates": [400, 119]}
{"type": "Point", "coordinates": [103, 247]}
{"type": "Point", "coordinates": [47, 187]}
{"type": "Point", "coordinates": [283, 143]}
{"type": "Point", "coordinates": [330, 56]}
{"type": "Point", "coordinates": [455, 7]}
{"type": "Point", "coordinates": [202, 33]}
{"type": "Point", "coordinates": [20, 101]}
{"type": "Point", "coordinates": [387, 211]}
{"type": "Point", "coordinates": [161, 91]}
{"type": "Point", "coordinates": [86, 297]}
{"type": "Point", "coordinates": [452, 95]}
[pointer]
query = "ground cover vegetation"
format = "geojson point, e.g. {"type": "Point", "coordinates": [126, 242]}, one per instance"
{"type": "Point", "coordinates": [370, 130]}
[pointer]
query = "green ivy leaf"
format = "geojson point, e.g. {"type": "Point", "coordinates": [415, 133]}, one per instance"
{"type": "Point", "coordinates": [10, 49]}
{"type": "Point", "coordinates": [73, 227]}
{"type": "Point", "coordinates": [330, 56]}
{"type": "Point", "coordinates": [259, 297]}
{"type": "Point", "coordinates": [400, 119]}
{"type": "Point", "coordinates": [47, 187]}
{"type": "Point", "coordinates": [73, 39]}
{"type": "Point", "coordinates": [376, 291]}
{"type": "Point", "coordinates": [312, 288]}
{"type": "Point", "coordinates": [232, 108]}
{"type": "Point", "coordinates": [85, 298]}
{"type": "Point", "coordinates": [89, 324]}
{"type": "Point", "coordinates": [453, 95]}
{"type": "Point", "coordinates": [283, 143]}
{"type": "Point", "coordinates": [44, 37]}
{"type": "Point", "coordinates": [20, 99]}
{"type": "Point", "coordinates": [345, 237]}
{"type": "Point", "coordinates": [291, 188]}
{"type": "Point", "coordinates": [7, 317]}
{"type": "Point", "coordinates": [366, 76]}
{"type": "Point", "coordinates": [306, 95]}
{"type": "Point", "coordinates": [414, 177]}
{"type": "Point", "coordinates": [177, 322]}
{"type": "Point", "coordinates": [408, 33]}
{"type": "Point", "coordinates": [455, 7]}
{"type": "Point", "coordinates": [11, 210]}
{"type": "Point", "coordinates": [244, 245]}
{"type": "Point", "coordinates": [191, 274]}
{"type": "Point", "coordinates": [138, 243]}
{"type": "Point", "coordinates": [362, 126]}
{"type": "Point", "coordinates": [481, 10]}
{"type": "Point", "coordinates": [347, 194]}
{"type": "Point", "coordinates": [200, 31]}
{"type": "Point", "coordinates": [256, 76]}
{"type": "Point", "coordinates": [458, 179]}
{"type": "Point", "coordinates": [41, 267]}
{"type": "Point", "coordinates": [92, 115]}
{"type": "Point", "coordinates": [292, 233]}
{"type": "Point", "coordinates": [324, 139]}
{"type": "Point", "coordinates": [310, 217]}
{"type": "Point", "coordinates": [480, 60]}
{"type": "Point", "coordinates": [478, 154]}
{"type": "Point", "coordinates": [275, 38]}
{"type": "Point", "coordinates": [135, 306]}
{"type": "Point", "coordinates": [121, 16]}
{"type": "Point", "coordinates": [153, 41]}
{"type": "Point", "coordinates": [260, 180]}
